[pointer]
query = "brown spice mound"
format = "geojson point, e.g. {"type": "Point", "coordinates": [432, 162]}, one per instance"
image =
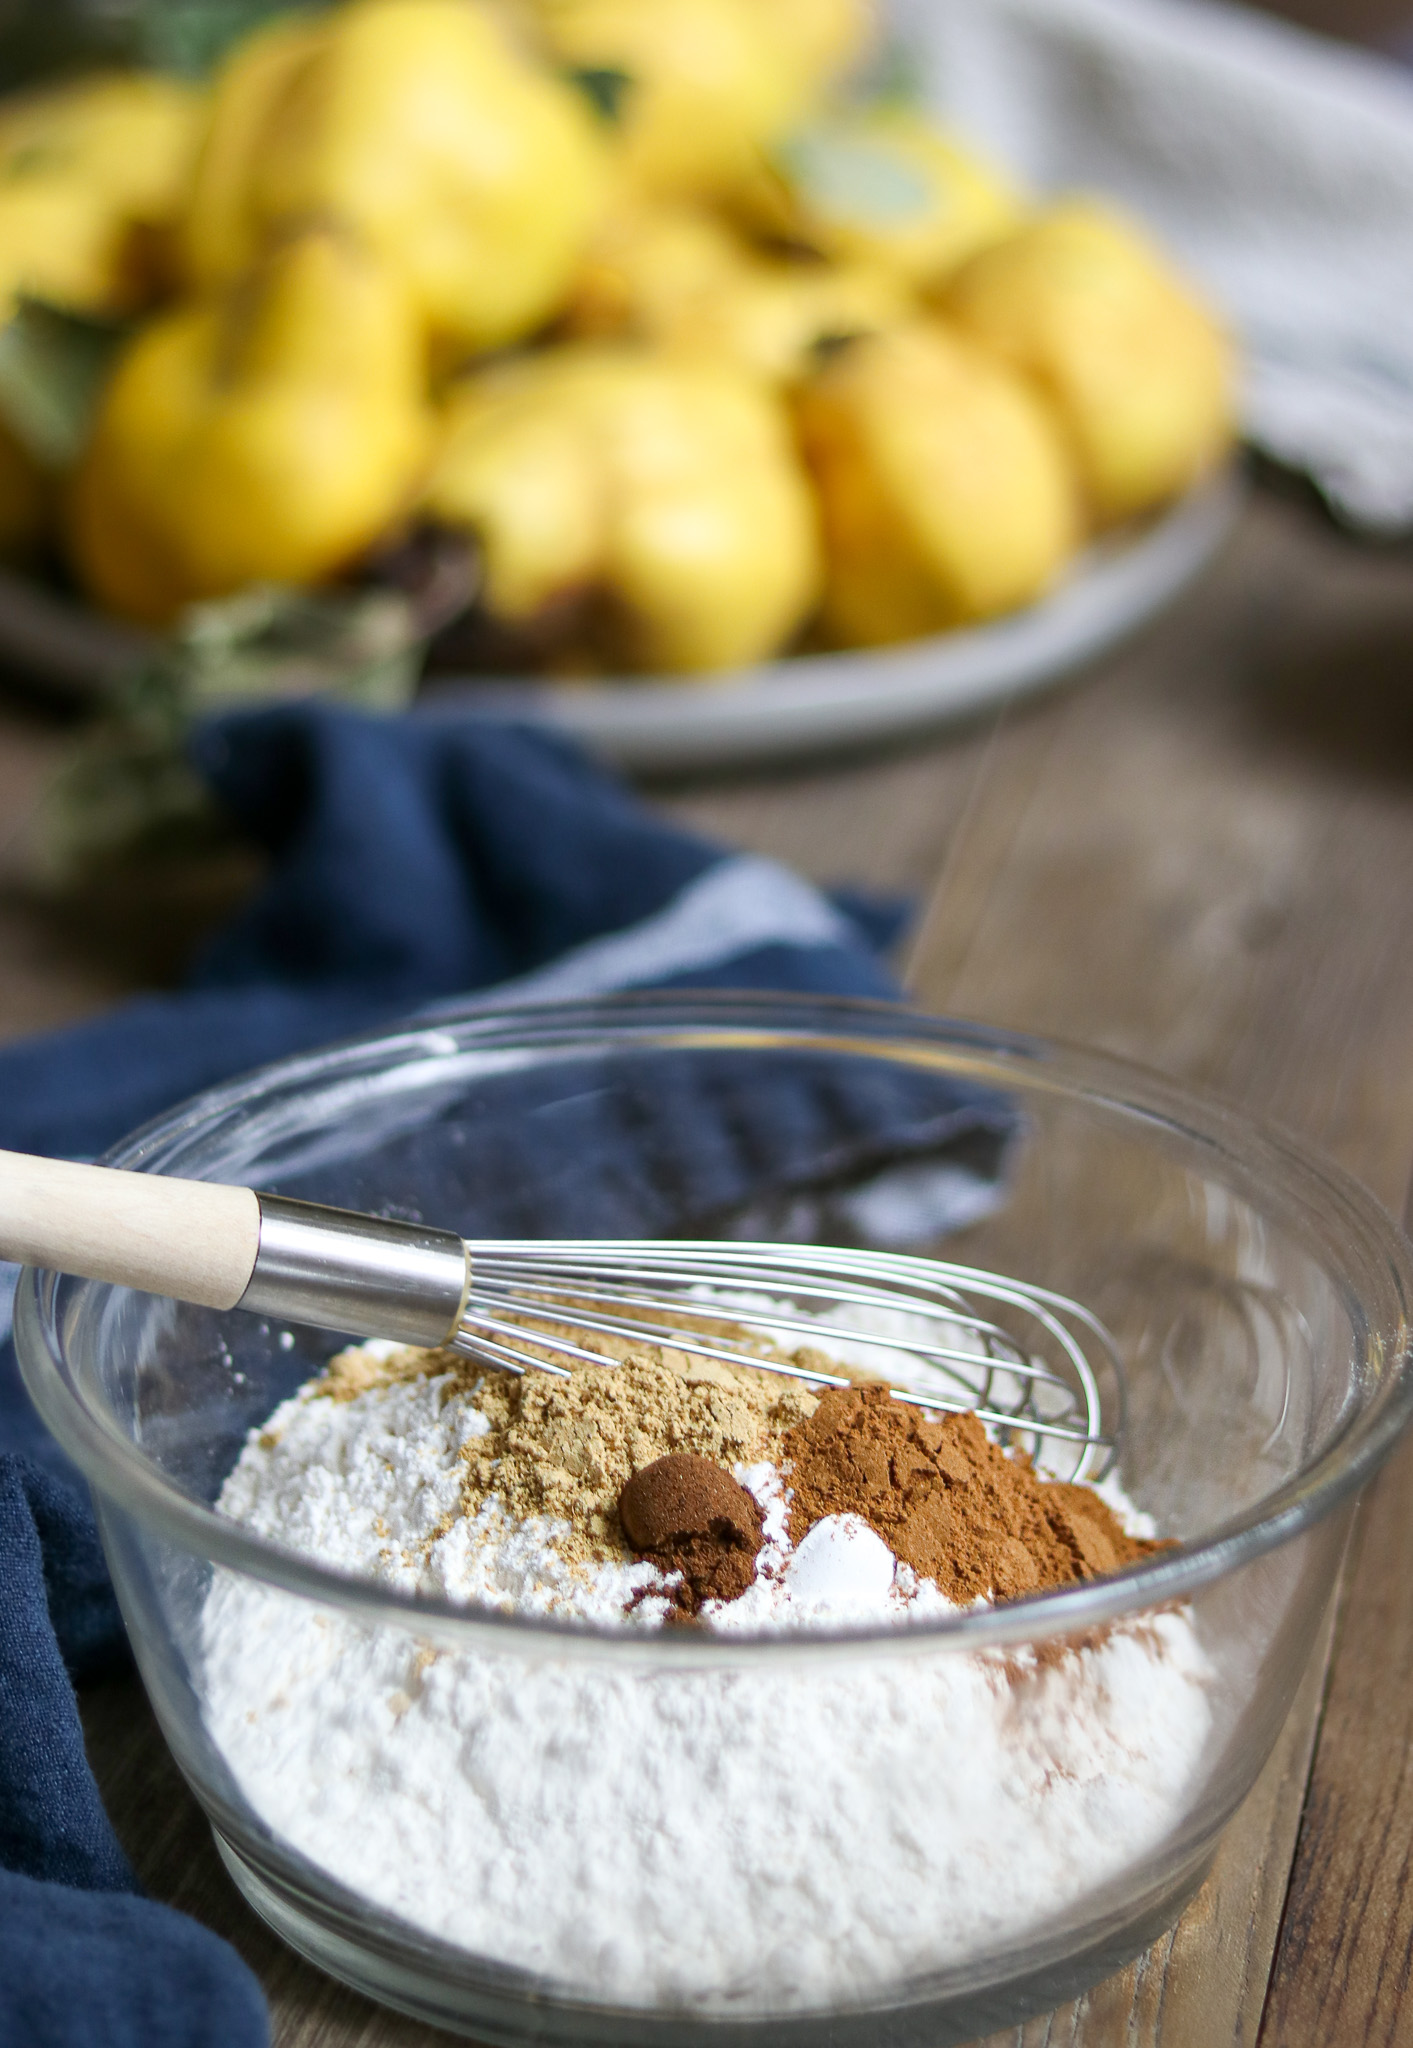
{"type": "Point", "coordinates": [690, 1516]}
{"type": "Point", "coordinates": [948, 1501]}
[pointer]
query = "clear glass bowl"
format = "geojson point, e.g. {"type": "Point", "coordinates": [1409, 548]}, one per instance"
{"type": "Point", "coordinates": [1259, 1299]}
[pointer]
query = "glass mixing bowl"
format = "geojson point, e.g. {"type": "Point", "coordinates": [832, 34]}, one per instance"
{"type": "Point", "coordinates": [1258, 1299]}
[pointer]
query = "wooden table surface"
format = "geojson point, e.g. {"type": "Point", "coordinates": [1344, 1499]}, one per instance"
{"type": "Point", "coordinates": [1201, 855]}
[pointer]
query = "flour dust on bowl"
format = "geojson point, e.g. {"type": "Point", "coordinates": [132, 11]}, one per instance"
{"type": "Point", "coordinates": [412, 1628]}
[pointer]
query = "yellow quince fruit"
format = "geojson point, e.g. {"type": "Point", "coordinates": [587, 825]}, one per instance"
{"type": "Point", "coordinates": [420, 125]}
{"type": "Point", "coordinates": [946, 490]}
{"type": "Point", "coordinates": [678, 276]}
{"type": "Point", "coordinates": [824, 37]}
{"type": "Point", "coordinates": [266, 435]}
{"type": "Point", "coordinates": [92, 175]}
{"type": "Point", "coordinates": [706, 84]}
{"type": "Point", "coordinates": [1139, 372]}
{"type": "Point", "coordinates": [668, 491]}
{"type": "Point", "coordinates": [886, 186]}
{"type": "Point", "coordinates": [222, 234]}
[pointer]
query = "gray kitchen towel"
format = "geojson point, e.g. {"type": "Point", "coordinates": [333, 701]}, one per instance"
{"type": "Point", "coordinates": [1276, 166]}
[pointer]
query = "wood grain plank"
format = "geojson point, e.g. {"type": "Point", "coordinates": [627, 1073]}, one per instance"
{"type": "Point", "coordinates": [1345, 1962]}
{"type": "Point", "coordinates": [1217, 879]}
{"type": "Point", "coordinates": [885, 820]}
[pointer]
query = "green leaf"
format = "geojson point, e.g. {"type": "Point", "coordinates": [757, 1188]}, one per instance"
{"type": "Point", "coordinates": [42, 39]}
{"type": "Point", "coordinates": [192, 36]}
{"type": "Point", "coordinates": [361, 645]}
{"type": "Point", "coordinates": [605, 86]}
{"type": "Point", "coordinates": [852, 177]}
{"type": "Point", "coordinates": [53, 365]}
{"type": "Point", "coordinates": [42, 42]}
{"type": "Point", "coordinates": [892, 77]}
{"type": "Point", "coordinates": [127, 792]}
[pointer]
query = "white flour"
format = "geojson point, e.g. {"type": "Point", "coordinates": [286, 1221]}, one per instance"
{"type": "Point", "coordinates": [763, 1837]}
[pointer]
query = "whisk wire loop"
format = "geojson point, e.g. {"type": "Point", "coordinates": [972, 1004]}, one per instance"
{"type": "Point", "coordinates": [724, 1298]}
{"type": "Point", "coordinates": [769, 1318]}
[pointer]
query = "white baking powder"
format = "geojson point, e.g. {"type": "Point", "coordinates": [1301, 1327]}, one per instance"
{"type": "Point", "coordinates": [764, 1836]}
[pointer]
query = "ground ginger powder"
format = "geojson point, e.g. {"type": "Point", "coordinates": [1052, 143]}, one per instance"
{"type": "Point", "coordinates": [564, 1448]}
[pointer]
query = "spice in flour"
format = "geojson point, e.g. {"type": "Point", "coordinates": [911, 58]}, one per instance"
{"type": "Point", "coordinates": [976, 1520]}
{"type": "Point", "coordinates": [604, 1455]}
{"type": "Point", "coordinates": [563, 1449]}
{"type": "Point", "coordinates": [697, 1524]}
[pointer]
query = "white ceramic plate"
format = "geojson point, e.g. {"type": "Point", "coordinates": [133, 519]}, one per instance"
{"type": "Point", "coordinates": [820, 703]}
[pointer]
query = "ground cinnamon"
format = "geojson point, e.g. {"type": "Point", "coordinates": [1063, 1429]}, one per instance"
{"type": "Point", "coordinates": [947, 1501]}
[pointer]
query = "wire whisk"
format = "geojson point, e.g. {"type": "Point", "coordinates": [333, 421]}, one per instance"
{"type": "Point", "coordinates": [1036, 1376]}
{"type": "Point", "coordinates": [1036, 1366]}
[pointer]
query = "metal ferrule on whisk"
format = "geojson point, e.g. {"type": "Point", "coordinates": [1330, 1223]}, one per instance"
{"type": "Point", "coordinates": [369, 1275]}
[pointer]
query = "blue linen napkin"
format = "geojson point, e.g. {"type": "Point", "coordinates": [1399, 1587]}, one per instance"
{"type": "Point", "coordinates": [411, 860]}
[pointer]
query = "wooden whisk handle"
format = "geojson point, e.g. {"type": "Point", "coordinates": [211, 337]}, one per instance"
{"type": "Point", "coordinates": [191, 1239]}
{"type": "Point", "coordinates": [220, 1247]}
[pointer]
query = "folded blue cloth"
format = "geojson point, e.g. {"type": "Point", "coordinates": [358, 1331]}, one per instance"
{"type": "Point", "coordinates": [411, 860]}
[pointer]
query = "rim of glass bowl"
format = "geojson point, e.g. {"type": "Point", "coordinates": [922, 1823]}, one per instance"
{"type": "Point", "coordinates": [1366, 1255]}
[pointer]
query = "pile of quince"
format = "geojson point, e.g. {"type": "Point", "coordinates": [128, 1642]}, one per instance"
{"type": "Point", "coordinates": [709, 352]}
